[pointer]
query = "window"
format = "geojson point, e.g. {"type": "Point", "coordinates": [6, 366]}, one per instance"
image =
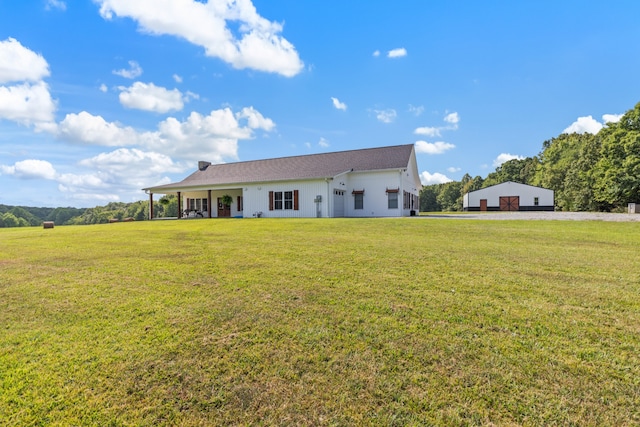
{"type": "Point", "coordinates": [288, 199]}
{"type": "Point", "coordinates": [240, 203]}
{"type": "Point", "coordinates": [392, 200]}
{"type": "Point", "coordinates": [198, 205]}
{"type": "Point", "coordinates": [283, 200]}
{"type": "Point", "coordinates": [358, 201]}
{"type": "Point", "coordinates": [277, 200]}
{"type": "Point", "coordinates": [536, 201]}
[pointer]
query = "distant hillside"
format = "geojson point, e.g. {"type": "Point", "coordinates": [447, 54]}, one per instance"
{"type": "Point", "coordinates": [24, 216]}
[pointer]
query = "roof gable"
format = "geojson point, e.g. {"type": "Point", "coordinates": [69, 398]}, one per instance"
{"type": "Point", "coordinates": [510, 184]}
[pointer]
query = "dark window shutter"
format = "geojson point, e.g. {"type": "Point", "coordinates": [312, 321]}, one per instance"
{"type": "Point", "coordinates": [270, 200]}
{"type": "Point", "coordinates": [239, 202]}
{"type": "Point", "coordinates": [295, 200]}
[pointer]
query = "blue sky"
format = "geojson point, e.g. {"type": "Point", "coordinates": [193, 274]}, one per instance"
{"type": "Point", "coordinates": [99, 99]}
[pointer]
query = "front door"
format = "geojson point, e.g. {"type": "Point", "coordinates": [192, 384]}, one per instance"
{"type": "Point", "coordinates": [224, 211]}
{"type": "Point", "coordinates": [338, 203]}
{"type": "Point", "coordinates": [483, 205]}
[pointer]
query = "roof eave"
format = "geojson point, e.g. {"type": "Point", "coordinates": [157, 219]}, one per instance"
{"type": "Point", "coordinates": [172, 188]}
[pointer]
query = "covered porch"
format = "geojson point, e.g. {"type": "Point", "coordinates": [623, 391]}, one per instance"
{"type": "Point", "coordinates": [199, 203]}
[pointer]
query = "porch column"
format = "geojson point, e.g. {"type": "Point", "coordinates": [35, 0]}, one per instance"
{"type": "Point", "coordinates": [179, 205]}
{"type": "Point", "coordinates": [150, 205]}
{"type": "Point", "coordinates": [209, 203]}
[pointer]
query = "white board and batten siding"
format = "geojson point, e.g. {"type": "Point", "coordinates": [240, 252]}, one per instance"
{"type": "Point", "coordinates": [331, 198]}
{"type": "Point", "coordinates": [375, 197]}
{"type": "Point", "coordinates": [525, 198]}
{"type": "Point", "coordinates": [256, 199]}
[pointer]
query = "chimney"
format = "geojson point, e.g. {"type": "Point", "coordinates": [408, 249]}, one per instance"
{"type": "Point", "coordinates": [202, 165]}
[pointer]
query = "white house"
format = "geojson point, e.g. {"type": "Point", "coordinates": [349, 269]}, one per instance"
{"type": "Point", "coordinates": [373, 182]}
{"type": "Point", "coordinates": [509, 196]}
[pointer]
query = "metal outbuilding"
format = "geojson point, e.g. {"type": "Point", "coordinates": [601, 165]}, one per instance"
{"type": "Point", "coordinates": [509, 196]}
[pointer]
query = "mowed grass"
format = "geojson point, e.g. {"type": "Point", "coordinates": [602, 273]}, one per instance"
{"type": "Point", "coordinates": [321, 322]}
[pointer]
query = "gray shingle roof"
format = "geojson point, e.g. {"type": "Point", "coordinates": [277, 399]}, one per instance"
{"type": "Point", "coordinates": [312, 166]}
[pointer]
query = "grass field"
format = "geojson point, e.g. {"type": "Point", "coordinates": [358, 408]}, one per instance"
{"type": "Point", "coordinates": [321, 322]}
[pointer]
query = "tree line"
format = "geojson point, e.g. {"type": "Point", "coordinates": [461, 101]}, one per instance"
{"type": "Point", "coordinates": [587, 172]}
{"type": "Point", "coordinates": [23, 216]}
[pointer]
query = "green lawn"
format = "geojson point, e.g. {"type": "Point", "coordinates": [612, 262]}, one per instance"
{"type": "Point", "coordinates": [321, 322]}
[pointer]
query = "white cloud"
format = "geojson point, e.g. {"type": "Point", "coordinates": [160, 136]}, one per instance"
{"type": "Point", "coordinates": [150, 154]}
{"type": "Point", "coordinates": [94, 130]}
{"type": "Point", "coordinates": [93, 198]}
{"type": "Point", "coordinates": [611, 118]}
{"type": "Point", "coordinates": [427, 131]}
{"type": "Point", "coordinates": [70, 182]}
{"type": "Point", "coordinates": [376, 53]}
{"type": "Point", "coordinates": [386, 116]}
{"type": "Point", "coordinates": [588, 124]}
{"type": "Point", "coordinates": [322, 143]}
{"type": "Point", "coordinates": [123, 171]}
{"type": "Point", "coordinates": [213, 137]}
{"type": "Point", "coordinates": [416, 111]}
{"type": "Point", "coordinates": [433, 147]}
{"type": "Point", "coordinates": [27, 99]}
{"type": "Point", "coordinates": [30, 169]}
{"type": "Point", "coordinates": [255, 120]}
{"type": "Point", "coordinates": [56, 4]}
{"type": "Point", "coordinates": [133, 166]}
{"type": "Point", "coordinates": [177, 78]}
{"type": "Point", "coordinates": [584, 125]}
{"type": "Point", "coordinates": [452, 118]}
{"type": "Point", "coordinates": [27, 104]}
{"type": "Point", "coordinates": [135, 70]}
{"type": "Point", "coordinates": [190, 95]}
{"type": "Point", "coordinates": [19, 64]}
{"type": "Point", "coordinates": [258, 45]}
{"type": "Point", "coordinates": [453, 169]}
{"type": "Point", "coordinates": [397, 53]}
{"type": "Point", "coordinates": [149, 97]}
{"type": "Point", "coordinates": [339, 105]}
{"type": "Point", "coordinates": [505, 157]}
{"type": "Point", "coordinates": [427, 178]}
{"type": "Point", "coordinates": [103, 88]}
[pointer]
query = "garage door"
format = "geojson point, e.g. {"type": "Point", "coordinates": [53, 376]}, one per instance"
{"type": "Point", "coordinates": [510, 203]}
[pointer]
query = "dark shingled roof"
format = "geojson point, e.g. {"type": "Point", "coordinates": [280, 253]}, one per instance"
{"type": "Point", "coordinates": [312, 166]}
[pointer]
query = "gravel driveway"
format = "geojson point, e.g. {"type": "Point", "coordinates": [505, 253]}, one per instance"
{"type": "Point", "coordinates": [560, 216]}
